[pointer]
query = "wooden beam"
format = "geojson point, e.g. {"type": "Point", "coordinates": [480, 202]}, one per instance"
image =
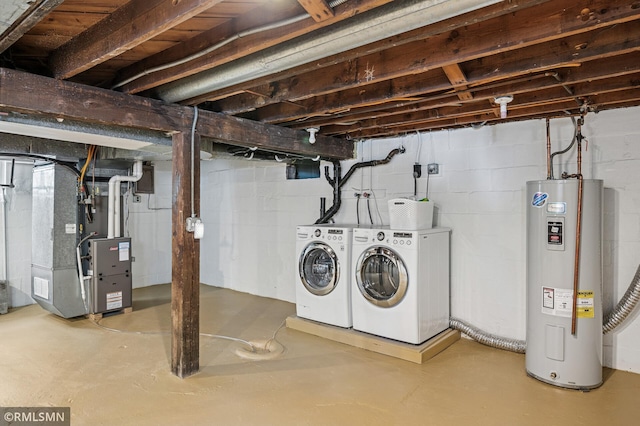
{"type": "Point", "coordinates": [432, 96]}
{"type": "Point", "coordinates": [126, 28]}
{"type": "Point", "coordinates": [616, 40]}
{"type": "Point", "coordinates": [229, 52]}
{"type": "Point", "coordinates": [498, 9]}
{"type": "Point", "coordinates": [432, 111]}
{"type": "Point", "coordinates": [319, 10]}
{"type": "Point", "coordinates": [33, 94]}
{"type": "Point", "coordinates": [550, 21]}
{"type": "Point", "coordinates": [37, 10]}
{"type": "Point", "coordinates": [271, 138]}
{"type": "Point", "coordinates": [185, 277]}
{"type": "Point", "coordinates": [458, 80]}
{"type": "Point", "coordinates": [560, 106]}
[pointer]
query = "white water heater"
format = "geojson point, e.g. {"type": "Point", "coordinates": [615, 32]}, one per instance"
{"type": "Point", "coordinates": [554, 354]}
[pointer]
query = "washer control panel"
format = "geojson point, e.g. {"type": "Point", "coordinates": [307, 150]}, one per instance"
{"type": "Point", "coordinates": [330, 234]}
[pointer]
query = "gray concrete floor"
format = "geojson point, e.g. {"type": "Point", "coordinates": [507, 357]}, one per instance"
{"type": "Point", "coordinates": [110, 378]}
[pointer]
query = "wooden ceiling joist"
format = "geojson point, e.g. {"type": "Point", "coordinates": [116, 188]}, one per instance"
{"type": "Point", "coordinates": [432, 30]}
{"type": "Point", "coordinates": [129, 26]}
{"type": "Point", "coordinates": [552, 95]}
{"type": "Point", "coordinates": [458, 80]}
{"type": "Point", "coordinates": [28, 93]}
{"type": "Point", "coordinates": [442, 50]}
{"type": "Point", "coordinates": [592, 71]}
{"type": "Point", "coordinates": [243, 46]}
{"type": "Point", "coordinates": [621, 38]}
{"type": "Point", "coordinates": [27, 20]}
{"type": "Point", "coordinates": [319, 10]}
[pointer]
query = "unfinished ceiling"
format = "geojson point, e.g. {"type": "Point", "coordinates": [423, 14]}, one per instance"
{"type": "Point", "coordinates": [352, 68]}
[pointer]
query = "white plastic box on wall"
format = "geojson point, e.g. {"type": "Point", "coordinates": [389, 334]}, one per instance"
{"type": "Point", "coordinates": [407, 214]}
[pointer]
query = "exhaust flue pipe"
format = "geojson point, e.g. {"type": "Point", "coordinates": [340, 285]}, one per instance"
{"type": "Point", "coordinates": [113, 225]}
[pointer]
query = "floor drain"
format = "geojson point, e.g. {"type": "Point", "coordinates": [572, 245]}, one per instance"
{"type": "Point", "coordinates": [264, 349]}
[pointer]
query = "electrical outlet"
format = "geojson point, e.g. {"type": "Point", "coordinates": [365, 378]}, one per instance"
{"type": "Point", "coordinates": [137, 198]}
{"type": "Point", "coordinates": [433, 169]}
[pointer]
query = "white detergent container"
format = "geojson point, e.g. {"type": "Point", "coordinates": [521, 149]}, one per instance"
{"type": "Point", "coordinates": [554, 354]}
{"type": "Point", "coordinates": [408, 214]}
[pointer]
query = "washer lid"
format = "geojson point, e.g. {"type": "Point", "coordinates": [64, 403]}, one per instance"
{"type": "Point", "coordinates": [319, 268]}
{"type": "Point", "coordinates": [382, 276]}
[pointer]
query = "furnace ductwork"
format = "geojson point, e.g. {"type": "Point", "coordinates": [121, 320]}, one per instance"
{"type": "Point", "coordinates": [386, 21]}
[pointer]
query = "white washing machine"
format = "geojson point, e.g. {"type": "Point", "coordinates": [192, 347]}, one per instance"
{"type": "Point", "coordinates": [323, 274]}
{"type": "Point", "coordinates": [401, 283]}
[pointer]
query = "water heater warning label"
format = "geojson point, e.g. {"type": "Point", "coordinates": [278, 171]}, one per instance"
{"type": "Point", "coordinates": [585, 305]}
{"type": "Point", "coordinates": [557, 301]}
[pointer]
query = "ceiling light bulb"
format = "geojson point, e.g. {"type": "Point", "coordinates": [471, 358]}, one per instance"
{"type": "Point", "coordinates": [312, 134]}
{"type": "Point", "coordinates": [503, 101]}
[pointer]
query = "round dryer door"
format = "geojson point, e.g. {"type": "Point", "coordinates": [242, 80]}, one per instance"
{"type": "Point", "coordinates": [382, 276]}
{"type": "Point", "coordinates": [319, 268]}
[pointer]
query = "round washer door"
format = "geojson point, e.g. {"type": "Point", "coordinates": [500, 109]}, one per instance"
{"type": "Point", "coordinates": [382, 276]}
{"type": "Point", "coordinates": [319, 268]}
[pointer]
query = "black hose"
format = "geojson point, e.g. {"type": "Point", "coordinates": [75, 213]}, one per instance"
{"type": "Point", "coordinates": [337, 200]}
{"type": "Point", "coordinates": [337, 181]}
{"type": "Point", "coordinates": [370, 164]}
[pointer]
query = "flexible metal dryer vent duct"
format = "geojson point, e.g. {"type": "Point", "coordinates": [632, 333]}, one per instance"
{"type": "Point", "coordinates": [386, 21]}
{"type": "Point", "coordinates": [626, 305]}
{"type": "Point", "coordinates": [611, 320]}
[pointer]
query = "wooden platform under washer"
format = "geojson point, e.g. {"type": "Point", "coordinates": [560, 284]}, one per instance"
{"type": "Point", "coordinates": [408, 352]}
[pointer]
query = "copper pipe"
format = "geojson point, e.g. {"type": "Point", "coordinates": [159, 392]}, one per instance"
{"type": "Point", "coordinates": [576, 271]}
{"type": "Point", "coordinates": [548, 151]}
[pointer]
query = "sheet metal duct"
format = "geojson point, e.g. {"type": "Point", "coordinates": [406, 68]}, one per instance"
{"type": "Point", "coordinates": [386, 21]}
{"type": "Point", "coordinates": [55, 285]}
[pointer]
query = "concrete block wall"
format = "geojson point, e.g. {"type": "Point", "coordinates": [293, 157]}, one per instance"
{"type": "Point", "coordinates": [148, 223]}
{"type": "Point", "coordinates": [250, 212]}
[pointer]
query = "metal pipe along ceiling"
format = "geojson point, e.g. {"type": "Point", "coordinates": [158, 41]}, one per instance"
{"type": "Point", "coordinates": [375, 25]}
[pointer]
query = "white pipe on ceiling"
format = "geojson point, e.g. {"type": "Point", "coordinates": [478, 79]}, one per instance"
{"type": "Point", "coordinates": [377, 24]}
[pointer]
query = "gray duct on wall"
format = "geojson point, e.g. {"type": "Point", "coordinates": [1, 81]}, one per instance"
{"type": "Point", "coordinates": [386, 21]}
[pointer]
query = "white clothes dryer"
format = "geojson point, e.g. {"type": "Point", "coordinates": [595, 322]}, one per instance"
{"type": "Point", "coordinates": [323, 278]}
{"type": "Point", "coordinates": [401, 283]}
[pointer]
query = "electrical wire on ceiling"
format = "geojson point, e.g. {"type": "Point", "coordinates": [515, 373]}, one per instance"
{"type": "Point", "coordinates": [268, 154]}
{"type": "Point", "coordinates": [221, 44]}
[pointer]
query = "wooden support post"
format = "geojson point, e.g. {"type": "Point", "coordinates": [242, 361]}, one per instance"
{"type": "Point", "coordinates": [185, 280]}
